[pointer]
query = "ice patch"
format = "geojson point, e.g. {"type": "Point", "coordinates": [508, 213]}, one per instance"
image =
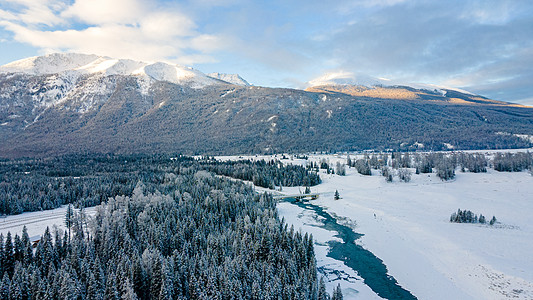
{"type": "Point", "coordinates": [271, 118]}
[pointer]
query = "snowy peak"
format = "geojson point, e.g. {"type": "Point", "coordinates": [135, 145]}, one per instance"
{"type": "Point", "coordinates": [360, 85]}
{"type": "Point", "coordinates": [347, 78]}
{"type": "Point", "coordinates": [343, 78]}
{"type": "Point", "coordinates": [48, 64]}
{"type": "Point", "coordinates": [231, 78]}
{"type": "Point", "coordinates": [82, 64]}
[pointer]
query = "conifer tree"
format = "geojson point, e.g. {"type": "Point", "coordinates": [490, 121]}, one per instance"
{"type": "Point", "coordinates": [4, 287]}
{"type": "Point", "coordinates": [322, 294]}
{"type": "Point", "coordinates": [69, 214]}
{"type": "Point", "coordinates": [27, 247]}
{"type": "Point", "coordinates": [8, 256]}
{"type": "Point", "coordinates": [337, 293]}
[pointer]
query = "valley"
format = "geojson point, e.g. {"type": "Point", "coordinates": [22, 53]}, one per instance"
{"type": "Point", "coordinates": [266, 150]}
{"type": "Point", "coordinates": [93, 130]}
{"type": "Point", "coordinates": [403, 227]}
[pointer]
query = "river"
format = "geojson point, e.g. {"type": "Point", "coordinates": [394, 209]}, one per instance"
{"type": "Point", "coordinates": [365, 263]}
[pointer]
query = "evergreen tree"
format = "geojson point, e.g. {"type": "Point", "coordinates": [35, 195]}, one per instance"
{"type": "Point", "coordinates": [2, 255]}
{"type": "Point", "coordinates": [322, 294]}
{"type": "Point", "coordinates": [337, 293]}
{"type": "Point", "coordinates": [340, 169]}
{"type": "Point", "coordinates": [5, 287]}
{"type": "Point", "coordinates": [8, 256]}
{"type": "Point", "coordinates": [482, 219]}
{"type": "Point", "coordinates": [27, 247]}
{"type": "Point", "coordinates": [336, 196]}
{"type": "Point", "coordinates": [128, 292]}
{"type": "Point", "coordinates": [69, 215]}
{"type": "Point", "coordinates": [18, 249]}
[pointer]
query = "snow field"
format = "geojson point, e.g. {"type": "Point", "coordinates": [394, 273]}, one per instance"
{"type": "Point", "coordinates": [428, 255]}
{"type": "Point", "coordinates": [37, 221]}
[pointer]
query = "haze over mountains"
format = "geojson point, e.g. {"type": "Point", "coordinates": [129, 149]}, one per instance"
{"type": "Point", "coordinates": [63, 103]}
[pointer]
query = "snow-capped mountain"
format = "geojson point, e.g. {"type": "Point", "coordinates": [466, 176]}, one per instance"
{"type": "Point", "coordinates": [231, 78]}
{"type": "Point", "coordinates": [64, 103]}
{"type": "Point", "coordinates": [82, 82]}
{"type": "Point", "coordinates": [343, 79]}
{"type": "Point", "coordinates": [73, 65]}
{"type": "Point", "coordinates": [347, 78]}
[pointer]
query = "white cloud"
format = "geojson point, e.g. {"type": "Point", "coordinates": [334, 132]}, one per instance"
{"type": "Point", "coordinates": [345, 77]}
{"type": "Point", "coordinates": [34, 12]}
{"type": "Point", "coordinates": [164, 25]}
{"type": "Point", "coordinates": [118, 28]}
{"type": "Point", "coordinates": [527, 101]}
{"type": "Point", "coordinates": [106, 12]}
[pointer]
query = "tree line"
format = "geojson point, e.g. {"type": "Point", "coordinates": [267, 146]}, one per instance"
{"type": "Point", "coordinates": [444, 165]}
{"type": "Point", "coordinates": [182, 233]}
{"type": "Point", "coordinates": [88, 180]}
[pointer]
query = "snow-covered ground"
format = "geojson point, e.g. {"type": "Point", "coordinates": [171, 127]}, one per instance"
{"type": "Point", "coordinates": [411, 232]}
{"type": "Point", "coordinates": [407, 226]}
{"type": "Point", "coordinates": [430, 256]}
{"type": "Point", "coordinates": [36, 222]}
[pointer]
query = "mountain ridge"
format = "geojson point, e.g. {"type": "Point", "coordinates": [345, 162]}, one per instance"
{"type": "Point", "coordinates": [75, 64]}
{"type": "Point", "coordinates": [58, 113]}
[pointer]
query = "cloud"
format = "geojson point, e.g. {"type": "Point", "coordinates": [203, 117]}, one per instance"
{"type": "Point", "coordinates": [97, 12]}
{"type": "Point", "coordinates": [32, 13]}
{"type": "Point", "coordinates": [118, 28]}
{"type": "Point", "coordinates": [165, 25]}
{"type": "Point", "coordinates": [470, 44]}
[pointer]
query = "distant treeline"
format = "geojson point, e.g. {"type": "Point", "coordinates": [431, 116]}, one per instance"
{"type": "Point", "coordinates": [181, 233]}
{"type": "Point", "coordinates": [88, 180]}
{"type": "Point", "coordinates": [441, 163]}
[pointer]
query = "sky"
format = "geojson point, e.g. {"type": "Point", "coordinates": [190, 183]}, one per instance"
{"type": "Point", "coordinates": [482, 46]}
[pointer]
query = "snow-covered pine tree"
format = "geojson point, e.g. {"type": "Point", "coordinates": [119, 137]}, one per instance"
{"type": "Point", "coordinates": [337, 293]}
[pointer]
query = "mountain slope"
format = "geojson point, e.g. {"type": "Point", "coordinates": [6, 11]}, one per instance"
{"type": "Point", "coordinates": [48, 114]}
{"type": "Point", "coordinates": [230, 78]}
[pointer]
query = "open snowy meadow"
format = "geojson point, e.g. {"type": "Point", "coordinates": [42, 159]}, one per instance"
{"type": "Point", "coordinates": [407, 225]}
{"type": "Point", "coordinates": [37, 221]}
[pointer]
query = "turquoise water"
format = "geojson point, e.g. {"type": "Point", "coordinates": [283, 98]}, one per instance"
{"type": "Point", "coordinates": [364, 262]}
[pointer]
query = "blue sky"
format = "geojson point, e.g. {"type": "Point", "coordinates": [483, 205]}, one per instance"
{"type": "Point", "coordinates": [482, 46]}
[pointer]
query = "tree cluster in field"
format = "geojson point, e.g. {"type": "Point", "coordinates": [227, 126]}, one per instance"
{"type": "Point", "coordinates": [513, 162]}
{"type": "Point", "coordinates": [190, 235]}
{"type": "Point", "coordinates": [33, 185]}
{"type": "Point", "coordinates": [466, 216]}
{"type": "Point", "coordinates": [442, 164]}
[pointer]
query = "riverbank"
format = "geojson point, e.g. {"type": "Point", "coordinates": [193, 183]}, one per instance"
{"type": "Point", "coordinates": [407, 226]}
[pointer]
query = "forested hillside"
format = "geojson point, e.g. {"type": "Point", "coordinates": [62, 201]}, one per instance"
{"type": "Point", "coordinates": [119, 114]}
{"type": "Point", "coordinates": [182, 232]}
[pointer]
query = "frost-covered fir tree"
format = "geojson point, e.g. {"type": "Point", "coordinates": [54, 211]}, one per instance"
{"type": "Point", "coordinates": [322, 293]}
{"type": "Point", "coordinates": [337, 293]}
